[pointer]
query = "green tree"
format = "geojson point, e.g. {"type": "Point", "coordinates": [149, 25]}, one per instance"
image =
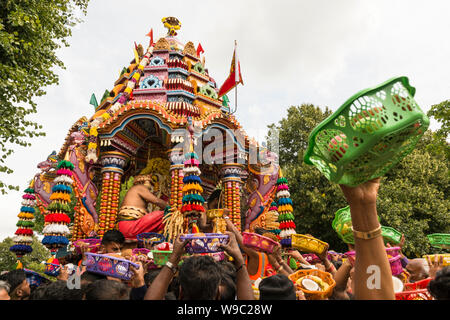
{"type": "Point", "coordinates": [315, 198]}
{"type": "Point", "coordinates": [441, 113]}
{"type": "Point", "coordinates": [31, 261]}
{"type": "Point", "coordinates": [413, 196]}
{"type": "Point", "coordinates": [30, 33]}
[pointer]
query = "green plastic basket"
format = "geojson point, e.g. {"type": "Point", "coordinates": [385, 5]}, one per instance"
{"type": "Point", "coordinates": [161, 257]}
{"type": "Point", "coordinates": [369, 134]}
{"type": "Point", "coordinates": [391, 235]}
{"type": "Point", "coordinates": [439, 240]}
{"type": "Point", "coordinates": [342, 224]}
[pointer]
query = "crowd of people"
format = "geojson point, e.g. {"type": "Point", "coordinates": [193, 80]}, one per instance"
{"type": "Point", "coordinates": [246, 273]}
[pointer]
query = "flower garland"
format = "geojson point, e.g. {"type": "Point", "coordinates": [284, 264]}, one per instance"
{"type": "Point", "coordinates": [192, 190]}
{"type": "Point", "coordinates": [285, 209]}
{"type": "Point", "coordinates": [272, 216]}
{"type": "Point", "coordinates": [56, 221]}
{"type": "Point", "coordinates": [24, 234]}
{"type": "Point", "coordinates": [91, 156]}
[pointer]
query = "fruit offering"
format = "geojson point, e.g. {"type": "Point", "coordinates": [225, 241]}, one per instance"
{"type": "Point", "coordinates": [312, 283]}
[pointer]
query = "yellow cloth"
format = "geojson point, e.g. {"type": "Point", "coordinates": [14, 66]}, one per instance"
{"type": "Point", "coordinates": [130, 213]}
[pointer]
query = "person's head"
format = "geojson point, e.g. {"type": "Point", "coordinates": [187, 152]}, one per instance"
{"type": "Point", "coordinates": [147, 180]}
{"type": "Point", "coordinates": [89, 277]}
{"type": "Point", "coordinates": [107, 290]}
{"type": "Point", "coordinates": [150, 276]}
{"type": "Point", "coordinates": [418, 269]}
{"type": "Point", "coordinates": [439, 287]}
{"type": "Point", "coordinates": [112, 241]}
{"type": "Point", "coordinates": [213, 200]}
{"type": "Point", "coordinates": [199, 278]}
{"type": "Point", "coordinates": [39, 293]}
{"type": "Point", "coordinates": [228, 269]}
{"type": "Point", "coordinates": [20, 288]}
{"type": "Point", "coordinates": [277, 287]}
{"type": "Point", "coordinates": [4, 290]}
{"type": "Point", "coordinates": [227, 288]}
{"type": "Point", "coordinates": [59, 290]}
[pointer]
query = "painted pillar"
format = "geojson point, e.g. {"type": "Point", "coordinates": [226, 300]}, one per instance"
{"type": "Point", "coordinates": [176, 173]}
{"type": "Point", "coordinates": [232, 182]}
{"type": "Point", "coordinates": [113, 163]}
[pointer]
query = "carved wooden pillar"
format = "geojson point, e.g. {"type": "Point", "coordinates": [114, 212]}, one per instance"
{"type": "Point", "coordinates": [232, 182]}
{"type": "Point", "coordinates": [113, 163]}
{"type": "Point", "coordinates": [176, 173]}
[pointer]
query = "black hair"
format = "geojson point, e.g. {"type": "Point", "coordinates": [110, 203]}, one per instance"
{"type": "Point", "coordinates": [174, 287]}
{"type": "Point", "coordinates": [38, 293]}
{"type": "Point", "coordinates": [72, 257]}
{"type": "Point", "coordinates": [91, 277]}
{"type": "Point", "coordinates": [439, 287]}
{"type": "Point", "coordinates": [107, 290]}
{"type": "Point", "coordinates": [229, 288]}
{"type": "Point", "coordinates": [113, 236]}
{"type": "Point", "coordinates": [170, 296]}
{"type": "Point", "coordinates": [200, 277]}
{"type": "Point", "coordinates": [228, 269]}
{"type": "Point", "coordinates": [15, 278]}
{"type": "Point", "coordinates": [337, 264]}
{"type": "Point", "coordinates": [150, 276]}
{"type": "Point", "coordinates": [277, 287]}
{"type": "Point", "coordinates": [59, 290]}
{"type": "Point", "coordinates": [214, 195]}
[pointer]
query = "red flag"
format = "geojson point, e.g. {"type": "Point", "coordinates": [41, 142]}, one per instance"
{"type": "Point", "coordinates": [150, 34]}
{"type": "Point", "coordinates": [234, 78]}
{"type": "Point", "coordinates": [199, 50]}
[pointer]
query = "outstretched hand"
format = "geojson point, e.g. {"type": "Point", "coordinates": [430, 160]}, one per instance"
{"type": "Point", "coordinates": [435, 262]}
{"type": "Point", "coordinates": [365, 193]}
{"type": "Point", "coordinates": [179, 248]}
{"type": "Point", "coordinates": [137, 279]}
{"type": "Point", "coordinates": [232, 247]}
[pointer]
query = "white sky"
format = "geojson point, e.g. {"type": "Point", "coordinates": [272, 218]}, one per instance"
{"type": "Point", "coordinates": [291, 52]}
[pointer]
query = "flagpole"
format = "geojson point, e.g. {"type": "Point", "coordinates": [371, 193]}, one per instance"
{"type": "Point", "coordinates": [236, 75]}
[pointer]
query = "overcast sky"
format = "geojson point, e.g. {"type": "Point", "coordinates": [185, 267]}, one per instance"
{"type": "Point", "coordinates": [291, 52]}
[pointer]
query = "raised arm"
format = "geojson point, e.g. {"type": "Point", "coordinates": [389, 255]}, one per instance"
{"type": "Point", "coordinates": [373, 277]}
{"type": "Point", "coordinates": [244, 289]}
{"type": "Point", "coordinates": [150, 197]}
{"type": "Point", "coordinates": [160, 284]}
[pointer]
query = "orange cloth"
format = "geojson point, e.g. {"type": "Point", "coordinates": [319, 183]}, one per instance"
{"type": "Point", "coordinates": [151, 222]}
{"type": "Point", "coordinates": [263, 266]}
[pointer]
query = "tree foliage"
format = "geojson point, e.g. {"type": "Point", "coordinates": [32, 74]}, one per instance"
{"type": "Point", "coordinates": [413, 196]}
{"type": "Point", "coordinates": [31, 261]}
{"type": "Point", "coordinates": [30, 33]}
{"type": "Point", "coordinates": [441, 113]}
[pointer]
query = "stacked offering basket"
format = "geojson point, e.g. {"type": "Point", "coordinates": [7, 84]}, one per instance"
{"type": "Point", "coordinates": [369, 134]}
{"type": "Point", "coordinates": [204, 243]}
{"type": "Point", "coordinates": [415, 291]}
{"type": "Point", "coordinates": [93, 245]}
{"type": "Point", "coordinates": [109, 266]}
{"type": "Point", "coordinates": [445, 258]}
{"type": "Point", "coordinates": [149, 239]}
{"type": "Point", "coordinates": [342, 224]}
{"type": "Point", "coordinates": [258, 242]}
{"type": "Point", "coordinates": [160, 257]}
{"type": "Point", "coordinates": [308, 244]}
{"type": "Point", "coordinates": [314, 295]}
{"type": "Point", "coordinates": [439, 240]}
{"type": "Point", "coordinates": [394, 258]}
